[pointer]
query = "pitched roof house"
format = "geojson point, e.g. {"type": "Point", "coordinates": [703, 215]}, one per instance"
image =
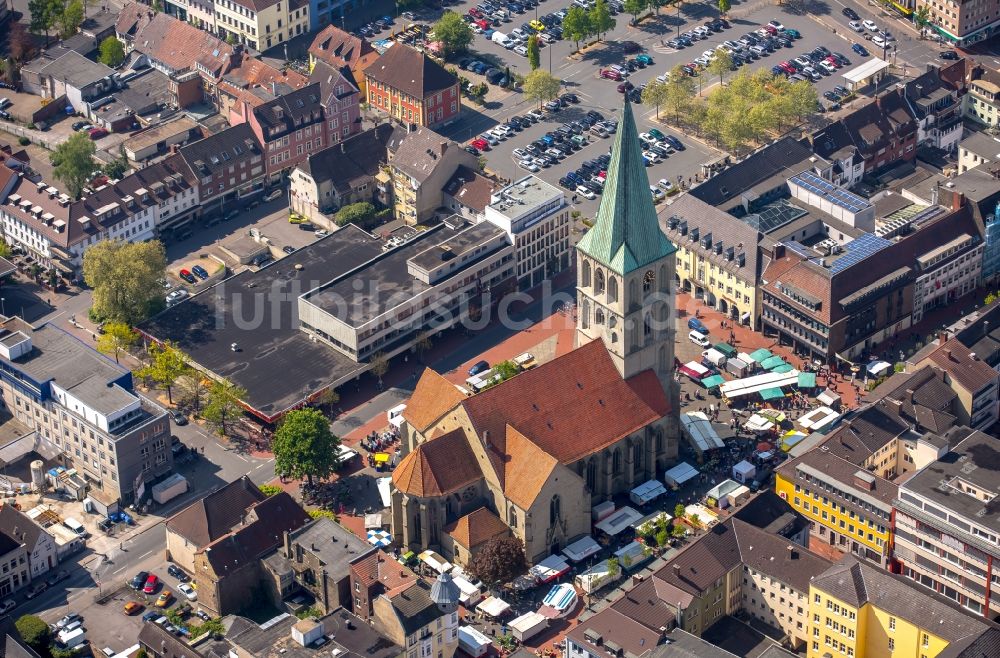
{"type": "Point", "coordinates": [412, 88]}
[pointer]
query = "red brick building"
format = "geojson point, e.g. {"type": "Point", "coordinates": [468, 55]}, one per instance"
{"type": "Point", "coordinates": [412, 88]}
{"type": "Point", "coordinates": [290, 128]}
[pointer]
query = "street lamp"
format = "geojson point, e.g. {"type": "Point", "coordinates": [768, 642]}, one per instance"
{"type": "Point", "coordinates": [3, 307]}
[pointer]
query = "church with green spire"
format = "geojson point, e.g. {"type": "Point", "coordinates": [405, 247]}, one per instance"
{"type": "Point", "coordinates": [626, 268]}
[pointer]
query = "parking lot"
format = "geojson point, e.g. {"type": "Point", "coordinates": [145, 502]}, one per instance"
{"type": "Point", "coordinates": [581, 76]}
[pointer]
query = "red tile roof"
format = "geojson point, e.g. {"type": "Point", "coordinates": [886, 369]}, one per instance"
{"type": "Point", "coordinates": [477, 527]}
{"type": "Point", "coordinates": [433, 397]}
{"type": "Point", "coordinates": [338, 48]}
{"type": "Point", "coordinates": [570, 407]}
{"type": "Point", "coordinates": [438, 467]}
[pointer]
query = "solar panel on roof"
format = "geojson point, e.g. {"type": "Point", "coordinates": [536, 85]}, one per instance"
{"type": "Point", "coordinates": [866, 245]}
{"type": "Point", "coordinates": [836, 195]}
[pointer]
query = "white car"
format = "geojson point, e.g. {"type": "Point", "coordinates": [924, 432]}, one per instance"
{"type": "Point", "coordinates": [879, 41]}
{"type": "Point", "coordinates": [870, 25]}
{"type": "Point", "coordinates": [521, 50]}
{"type": "Point", "coordinates": [776, 25]}
{"type": "Point", "coordinates": [652, 157]}
{"type": "Point", "coordinates": [646, 138]}
{"type": "Point", "coordinates": [827, 66]}
{"type": "Point", "coordinates": [665, 184]}
{"type": "Point", "coordinates": [709, 54]}
{"type": "Point", "coordinates": [585, 192]}
{"type": "Point", "coordinates": [321, 233]}
{"type": "Point", "coordinates": [541, 163]}
{"type": "Point", "coordinates": [177, 296]}
{"type": "Point", "coordinates": [856, 26]}
{"type": "Point", "coordinates": [528, 165]}
{"type": "Point", "coordinates": [273, 194]}
{"type": "Point", "coordinates": [188, 591]}
{"type": "Point", "coordinates": [520, 154]}
{"type": "Point", "coordinates": [657, 193]}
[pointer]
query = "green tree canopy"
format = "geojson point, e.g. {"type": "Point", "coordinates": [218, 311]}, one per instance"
{"type": "Point", "coordinates": [44, 15]}
{"type": "Point", "coordinates": [724, 6]}
{"type": "Point", "coordinates": [222, 405]}
{"type": "Point", "coordinates": [304, 446]}
{"type": "Point", "coordinates": [635, 7]}
{"type": "Point", "coordinates": [454, 34]}
{"type": "Point", "coordinates": [534, 52]}
{"type": "Point", "coordinates": [601, 20]}
{"type": "Point", "coordinates": [541, 86]}
{"type": "Point", "coordinates": [125, 278]}
{"type": "Point", "coordinates": [116, 168]}
{"type": "Point", "coordinates": [5, 250]}
{"type": "Point", "coordinates": [73, 162]}
{"type": "Point", "coordinates": [680, 92]}
{"type": "Point", "coordinates": [721, 65]}
{"type": "Point", "coordinates": [70, 18]}
{"type": "Point", "coordinates": [655, 94]}
{"type": "Point", "coordinates": [112, 52]}
{"type": "Point", "coordinates": [118, 337]}
{"type": "Point", "coordinates": [576, 25]}
{"type": "Point", "coordinates": [166, 364]}
{"type": "Point", "coordinates": [499, 560]}
{"type": "Point", "coordinates": [355, 213]}
{"type": "Point", "coordinates": [33, 631]}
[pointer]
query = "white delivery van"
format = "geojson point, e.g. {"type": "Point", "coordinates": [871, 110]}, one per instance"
{"type": "Point", "coordinates": [500, 38]}
{"type": "Point", "coordinates": [75, 526]}
{"type": "Point", "coordinates": [73, 638]}
{"type": "Point", "coordinates": [698, 338]}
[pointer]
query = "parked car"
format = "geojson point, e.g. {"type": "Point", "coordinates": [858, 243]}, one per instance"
{"type": "Point", "coordinates": [7, 605]}
{"type": "Point", "coordinates": [480, 367]}
{"type": "Point", "coordinates": [187, 591]}
{"type": "Point", "coordinates": [164, 599]}
{"type": "Point", "coordinates": [57, 577]}
{"type": "Point", "coordinates": [870, 25]}
{"type": "Point", "coordinates": [630, 47]}
{"type": "Point", "coordinates": [187, 276]}
{"type": "Point", "coordinates": [200, 271]}
{"type": "Point", "coordinates": [273, 194]}
{"type": "Point", "coordinates": [132, 607]}
{"type": "Point", "coordinates": [35, 590]}
{"type": "Point", "coordinates": [67, 620]}
{"type": "Point", "coordinates": [851, 14]}
{"type": "Point", "coordinates": [948, 54]}
{"type": "Point", "coordinates": [177, 573]}
{"type": "Point", "coordinates": [97, 133]}
{"type": "Point", "coordinates": [152, 583]}
{"type": "Point", "coordinates": [138, 580]}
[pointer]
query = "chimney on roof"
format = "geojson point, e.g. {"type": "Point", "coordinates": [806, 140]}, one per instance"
{"type": "Point", "coordinates": [677, 569]}
{"type": "Point", "coordinates": [947, 354]}
{"type": "Point", "coordinates": [442, 147]}
{"type": "Point", "coordinates": [957, 199]}
{"type": "Point", "coordinates": [909, 395]}
{"type": "Point", "coordinates": [792, 553]}
{"type": "Point", "coordinates": [942, 337]}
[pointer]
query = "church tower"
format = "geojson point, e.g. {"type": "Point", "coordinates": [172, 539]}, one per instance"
{"type": "Point", "coordinates": [625, 268]}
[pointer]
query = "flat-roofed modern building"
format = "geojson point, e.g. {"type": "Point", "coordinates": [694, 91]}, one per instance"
{"type": "Point", "coordinates": [535, 216]}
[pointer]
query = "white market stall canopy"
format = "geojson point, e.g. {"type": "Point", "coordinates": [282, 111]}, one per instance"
{"type": "Point", "coordinates": [528, 625]}
{"type": "Point", "coordinates": [744, 471]}
{"type": "Point", "coordinates": [722, 489]}
{"type": "Point", "coordinates": [758, 383]}
{"type": "Point", "coordinates": [680, 474]}
{"type": "Point", "coordinates": [699, 429]}
{"type": "Point", "coordinates": [435, 561]}
{"type": "Point", "coordinates": [876, 368]}
{"type": "Point", "coordinates": [618, 521]}
{"type": "Point", "coordinates": [829, 398]}
{"type": "Point", "coordinates": [758, 423]}
{"type": "Point", "coordinates": [818, 418]}
{"type": "Point", "coordinates": [581, 549]}
{"type": "Point", "coordinates": [549, 569]}
{"type": "Point", "coordinates": [384, 491]}
{"type": "Point", "coordinates": [631, 554]}
{"type": "Point", "coordinates": [647, 491]}
{"type": "Point", "coordinates": [493, 606]}
{"type": "Point", "coordinates": [593, 578]}
{"type": "Point", "coordinates": [861, 74]}
{"type": "Point", "coordinates": [706, 516]}
{"type": "Point", "coordinates": [469, 592]}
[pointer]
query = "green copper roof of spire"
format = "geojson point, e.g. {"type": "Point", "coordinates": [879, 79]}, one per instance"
{"type": "Point", "coordinates": [626, 235]}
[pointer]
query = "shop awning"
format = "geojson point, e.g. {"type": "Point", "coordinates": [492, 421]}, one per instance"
{"type": "Point", "coordinates": [713, 381]}
{"type": "Point", "coordinates": [435, 561]}
{"type": "Point", "coordinates": [618, 521]}
{"type": "Point", "coordinates": [807, 380]}
{"type": "Point", "coordinates": [771, 394]}
{"type": "Point", "coordinates": [772, 362]}
{"type": "Point", "coordinates": [493, 606]}
{"type": "Point", "coordinates": [760, 355]}
{"type": "Point", "coordinates": [549, 569]}
{"type": "Point", "coordinates": [726, 349]}
{"type": "Point", "coordinates": [694, 370]}
{"type": "Point", "coordinates": [783, 368]}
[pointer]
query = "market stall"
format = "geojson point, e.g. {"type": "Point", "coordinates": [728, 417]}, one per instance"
{"type": "Point", "coordinates": [581, 549]}
{"type": "Point", "coordinates": [878, 368]}
{"type": "Point", "coordinates": [807, 380]}
{"type": "Point", "coordinates": [594, 578]}
{"type": "Point", "coordinates": [384, 491]}
{"type": "Point", "coordinates": [680, 474]}
{"type": "Point", "coordinates": [470, 594]}
{"type": "Point", "coordinates": [759, 355]}
{"type": "Point", "coordinates": [771, 394]}
{"type": "Point", "coordinates": [727, 493]}
{"type": "Point", "coordinates": [757, 383]}
{"type": "Point", "coordinates": [646, 492]}
{"type": "Point", "coordinates": [695, 370]}
{"type": "Point", "coordinates": [790, 439]}
{"type": "Point", "coordinates": [713, 381]}
{"type": "Point", "coordinates": [435, 561]}
{"type": "Point", "coordinates": [493, 606]}
{"type": "Point", "coordinates": [759, 424]}
{"type": "Point", "coordinates": [549, 569]}
{"type": "Point", "coordinates": [700, 432]}
{"type": "Point", "coordinates": [633, 555]}
{"type": "Point", "coordinates": [528, 626]}
{"type": "Point", "coordinates": [772, 362]}
{"type": "Point", "coordinates": [829, 398]}
{"type": "Point", "coordinates": [618, 521]}
{"type": "Point", "coordinates": [379, 538]}
{"type": "Point", "coordinates": [744, 472]}
{"type": "Point", "coordinates": [704, 515]}
{"type": "Point", "coordinates": [728, 350]}
{"type": "Point", "coordinates": [473, 642]}
{"type": "Point", "coordinates": [819, 419]}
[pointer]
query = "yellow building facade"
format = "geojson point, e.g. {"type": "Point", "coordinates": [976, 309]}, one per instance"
{"type": "Point", "coordinates": [262, 27]}
{"type": "Point", "coordinates": [724, 285]}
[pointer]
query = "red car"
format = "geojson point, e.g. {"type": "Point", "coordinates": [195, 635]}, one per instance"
{"type": "Point", "coordinates": [480, 144]}
{"type": "Point", "coordinates": [98, 133]}
{"type": "Point", "coordinates": [475, 12]}
{"type": "Point", "coordinates": [833, 60]}
{"type": "Point", "coordinates": [787, 67]}
{"type": "Point", "coordinates": [625, 86]}
{"type": "Point", "coordinates": [771, 29]}
{"type": "Point", "coordinates": [610, 74]}
{"type": "Point", "coordinates": [187, 276]}
{"type": "Point", "coordinates": [151, 584]}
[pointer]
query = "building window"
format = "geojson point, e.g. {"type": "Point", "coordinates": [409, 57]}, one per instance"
{"type": "Point", "coordinates": [555, 511]}
{"type": "Point", "coordinates": [512, 517]}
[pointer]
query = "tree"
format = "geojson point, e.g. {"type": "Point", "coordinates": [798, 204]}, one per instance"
{"type": "Point", "coordinates": [503, 371]}
{"type": "Point", "coordinates": [33, 631]}
{"type": "Point", "coordinates": [70, 18]}
{"type": "Point", "coordinates": [125, 278]}
{"type": "Point", "coordinates": [327, 398]}
{"type": "Point", "coordinates": [724, 6]}
{"type": "Point", "coordinates": [541, 86]}
{"type": "Point", "coordinates": [112, 52]}
{"type": "Point", "coordinates": [19, 42]}
{"type": "Point", "coordinates": [74, 162]}
{"type": "Point", "coordinates": [44, 14]}
{"type": "Point", "coordinates": [534, 52]}
{"type": "Point", "coordinates": [662, 537]}
{"type": "Point", "coordinates": [116, 168]}
{"type": "Point", "coordinates": [678, 530]}
{"type": "Point", "coordinates": [191, 389]}
{"type": "Point", "coordinates": [679, 510]}
{"type": "Point", "coordinates": [222, 405]}
{"type": "Point", "coordinates": [614, 568]}
{"type": "Point", "coordinates": [231, 38]}
{"type": "Point", "coordinates": [379, 365]}
{"type": "Point", "coordinates": [801, 97]}
{"type": "Point", "coordinates": [304, 447]}
{"type": "Point", "coordinates": [601, 20]}
{"type": "Point", "coordinates": [576, 25]}
{"type": "Point", "coordinates": [656, 4]}
{"type": "Point", "coordinates": [423, 344]}
{"type": "Point", "coordinates": [157, 6]}
{"type": "Point", "coordinates": [355, 213]}
{"type": "Point", "coordinates": [500, 560]}
{"type": "Point", "coordinates": [118, 337]}
{"type": "Point", "coordinates": [635, 8]}
{"type": "Point", "coordinates": [679, 94]}
{"type": "Point", "coordinates": [655, 94]}
{"type": "Point", "coordinates": [166, 365]}
{"type": "Point", "coordinates": [5, 250]}
{"type": "Point", "coordinates": [721, 65]}
{"type": "Point", "coordinates": [922, 18]}
{"type": "Point", "coordinates": [454, 34]}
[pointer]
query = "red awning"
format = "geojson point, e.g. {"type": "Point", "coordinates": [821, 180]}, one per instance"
{"type": "Point", "coordinates": [691, 373]}
{"type": "Point", "coordinates": [764, 446]}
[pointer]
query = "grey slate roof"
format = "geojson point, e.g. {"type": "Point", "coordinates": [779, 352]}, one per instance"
{"type": "Point", "coordinates": [414, 607]}
{"type": "Point", "coordinates": [76, 70]}
{"type": "Point", "coordinates": [681, 644]}
{"type": "Point", "coordinates": [420, 152]}
{"type": "Point", "coordinates": [757, 167]}
{"type": "Point", "coordinates": [731, 231]}
{"type": "Point", "coordinates": [626, 234]}
{"type": "Point", "coordinates": [333, 544]}
{"type": "Point", "coordinates": [19, 526]}
{"type": "Point", "coordinates": [213, 516]}
{"type": "Point", "coordinates": [357, 157]}
{"type": "Point", "coordinates": [856, 584]}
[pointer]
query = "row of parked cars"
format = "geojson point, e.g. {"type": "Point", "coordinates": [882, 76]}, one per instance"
{"type": "Point", "coordinates": [811, 66]}
{"type": "Point", "coordinates": [516, 124]}
{"type": "Point", "coordinates": [687, 39]}
{"type": "Point", "coordinates": [556, 144]}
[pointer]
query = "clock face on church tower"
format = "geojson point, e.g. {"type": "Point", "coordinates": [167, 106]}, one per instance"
{"type": "Point", "coordinates": [468, 494]}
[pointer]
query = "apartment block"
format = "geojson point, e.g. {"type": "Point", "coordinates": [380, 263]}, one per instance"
{"type": "Point", "coordinates": [859, 611]}
{"type": "Point", "coordinates": [947, 525]}
{"type": "Point", "coordinates": [85, 406]}
{"type": "Point", "coordinates": [535, 217]}
{"type": "Point", "coordinates": [259, 24]}
{"type": "Point", "coordinates": [961, 23]}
